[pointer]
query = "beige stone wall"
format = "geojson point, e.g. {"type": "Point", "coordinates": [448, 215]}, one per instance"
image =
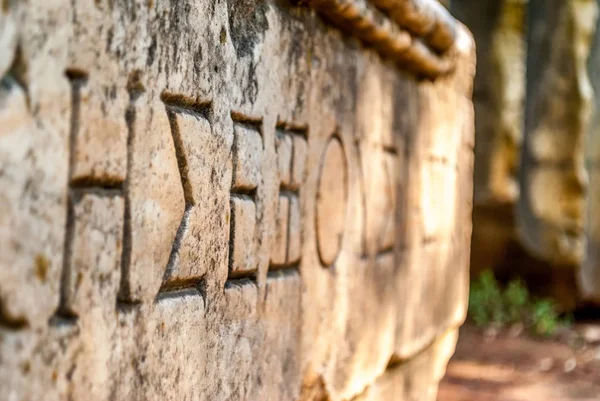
{"type": "Point", "coordinates": [209, 200]}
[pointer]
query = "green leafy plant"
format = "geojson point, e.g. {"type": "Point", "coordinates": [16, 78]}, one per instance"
{"type": "Point", "coordinates": [545, 319]}
{"type": "Point", "coordinates": [516, 298]}
{"type": "Point", "coordinates": [485, 301]}
{"type": "Point", "coordinates": [490, 305]}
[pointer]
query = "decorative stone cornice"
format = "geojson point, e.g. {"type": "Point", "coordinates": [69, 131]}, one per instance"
{"type": "Point", "coordinates": [417, 34]}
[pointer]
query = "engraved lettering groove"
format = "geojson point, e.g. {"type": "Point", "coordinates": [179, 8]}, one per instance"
{"type": "Point", "coordinates": [189, 121]}
{"type": "Point", "coordinates": [124, 297]}
{"type": "Point", "coordinates": [331, 202]}
{"type": "Point", "coordinates": [292, 149]}
{"type": "Point", "coordinates": [78, 189]}
{"type": "Point", "coordinates": [77, 79]}
{"type": "Point", "coordinates": [247, 159]}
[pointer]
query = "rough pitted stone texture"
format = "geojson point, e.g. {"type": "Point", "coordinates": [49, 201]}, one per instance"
{"type": "Point", "coordinates": [207, 200]}
{"type": "Point", "coordinates": [155, 203]}
{"type": "Point", "coordinates": [406, 380]}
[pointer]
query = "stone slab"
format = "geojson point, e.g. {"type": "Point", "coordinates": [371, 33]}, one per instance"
{"type": "Point", "coordinates": [238, 184]}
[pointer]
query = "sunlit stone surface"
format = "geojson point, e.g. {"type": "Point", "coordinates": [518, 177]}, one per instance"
{"type": "Point", "coordinates": [232, 200]}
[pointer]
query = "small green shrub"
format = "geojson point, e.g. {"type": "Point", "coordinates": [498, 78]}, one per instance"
{"type": "Point", "coordinates": [516, 298]}
{"type": "Point", "coordinates": [485, 301]}
{"type": "Point", "coordinates": [491, 305]}
{"type": "Point", "coordinates": [545, 319]}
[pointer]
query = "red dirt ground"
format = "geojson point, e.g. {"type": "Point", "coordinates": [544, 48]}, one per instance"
{"type": "Point", "coordinates": [505, 367]}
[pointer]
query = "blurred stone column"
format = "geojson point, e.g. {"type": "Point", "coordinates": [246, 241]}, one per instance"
{"type": "Point", "coordinates": [589, 276]}
{"type": "Point", "coordinates": [498, 27]}
{"type": "Point", "coordinates": [552, 177]}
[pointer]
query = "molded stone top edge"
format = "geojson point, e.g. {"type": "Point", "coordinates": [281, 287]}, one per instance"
{"type": "Point", "coordinates": [419, 35]}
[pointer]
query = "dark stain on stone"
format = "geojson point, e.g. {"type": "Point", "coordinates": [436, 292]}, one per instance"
{"type": "Point", "coordinates": [79, 280]}
{"type": "Point", "coordinates": [151, 51]}
{"type": "Point", "coordinates": [19, 73]}
{"type": "Point", "coordinates": [247, 24]}
{"type": "Point", "coordinates": [251, 91]}
{"type": "Point", "coordinates": [41, 267]}
{"type": "Point", "coordinates": [135, 87]}
{"type": "Point", "coordinates": [197, 66]}
{"type": "Point", "coordinates": [178, 23]}
{"type": "Point", "coordinates": [26, 367]}
{"type": "Point", "coordinates": [296, 56]}
{"type": "Point", "coordinates": [223, 36]}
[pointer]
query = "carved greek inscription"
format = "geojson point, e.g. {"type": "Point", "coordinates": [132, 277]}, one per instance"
{"type": "Point", "coordinates": [378, 180]}
{"type": "Point", "coordinates": [192, 136]}
{"type": "Point", "coordinates": [94, 228]}
{"type": "Point", "coordinates": [247, 161]}
{"type": "Point", "coordinates": [332, 201]}
{"type": "Point", "coordinates": [291, 148]}
{"type": "Point", "coordinates": [387, 236]}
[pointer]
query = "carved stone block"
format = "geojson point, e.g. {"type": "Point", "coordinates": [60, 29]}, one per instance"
{"type": "Point", "coordinates": [298, 161]}
{"type": "Point", "coordinates": [94, 267]}
{"type": "Point", "coordinates": [291, 151]}
{"type": "Point", "coordinates": [101, 130]}
{"type": "Point", "coordinates": [280, 243]}
{"type": "Point", "coordinates": [206, 201]}
{"type": "Point", "coordinates": [242, 259]}
{"type": "Point", "coordinates": [247, 158]}
{"type": "Point", "coordinates": [155, 201]}
{"type": "Point", "coordinates": [189, 188]}
{"type": "Point", "coordinates": [284, 158]}
{"type": "Point", "coordinates": [331, 202]}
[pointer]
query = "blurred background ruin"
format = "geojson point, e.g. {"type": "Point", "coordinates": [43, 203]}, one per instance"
{"type": "Point", "coordinates": [535, 252]}
{"type": "Point", "coordinates": [536, 183]}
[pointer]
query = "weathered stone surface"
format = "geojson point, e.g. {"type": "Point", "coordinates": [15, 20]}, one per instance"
{"type": "Point", "coordinates": [284, 158]}
{"type": "Point", "coordinates": [103, 133]}
{"type": "Point", "coordinates": [34, 137]}
{"type": "Point", "coordinates": [428, 52]}
{"type": "Point", "coordinates": [332, 198]}
{"type": "Point", "coordinates": [279, 252]}
{"type": "Point", "coordinates": [243, 235]}
{"type": "Point", "coordinates": [8, 38]}
{"type": "Point", "coordinates": [155, 204]}
{"type": "Point", "coordinates": [203, 232]}
{"type": "Point", "coordinates": [417, 378]}
{"type": "Point", "coordinates": [230, 201]}
{"type": "Point", "coordinates": [248, 158]}
{"type": "Point", "coordinates": [92, 273]}
{"type": "Point", "coordinates": [294, 245]}
{"type": "Point", "coordinates": [298, 161]}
